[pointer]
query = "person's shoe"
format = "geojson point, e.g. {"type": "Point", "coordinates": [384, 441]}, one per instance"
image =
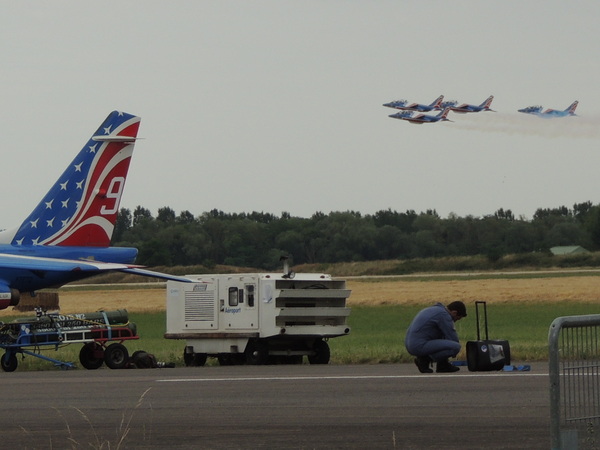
{"type": "Point", "coordinates": [422, 363]}
{"type": "Point", "coordinates": [445, 367]}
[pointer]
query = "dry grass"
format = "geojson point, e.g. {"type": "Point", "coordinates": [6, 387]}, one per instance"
{"type": "Point", "coordinates": [133, 300]}
{"type": "Point", "coordinates": [583, 289]}
{"type": "Point", "coordinates": [380, 292]}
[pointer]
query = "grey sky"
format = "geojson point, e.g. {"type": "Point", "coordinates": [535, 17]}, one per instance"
{"type": "Point", "coordinates": [277, 105]}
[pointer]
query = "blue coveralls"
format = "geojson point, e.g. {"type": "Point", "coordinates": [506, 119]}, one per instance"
{"type": "Point", "coordinates": [432, 333]}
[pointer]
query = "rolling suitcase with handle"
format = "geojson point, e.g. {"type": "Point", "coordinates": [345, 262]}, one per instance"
{"type": "Point", "coordinates": [486, 354]}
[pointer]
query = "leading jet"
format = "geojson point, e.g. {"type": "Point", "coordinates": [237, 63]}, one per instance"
{"type": "Point", "coordinates": [422, 118]}
{"type": "Point", "coordinates": [405, 106]}
{"type": "Point", "coordinates": [67, 236]}
{"type": "Point", "coordinates": [549, 113]}
{"type": "Point", "coordinates": [466, 108]}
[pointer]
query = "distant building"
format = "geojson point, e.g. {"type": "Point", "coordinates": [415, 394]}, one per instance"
{"type": "Point", "coordinates": [568, 250]}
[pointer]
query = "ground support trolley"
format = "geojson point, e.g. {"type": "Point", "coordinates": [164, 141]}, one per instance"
{"type": "Point", "coordinates": [101, 333]}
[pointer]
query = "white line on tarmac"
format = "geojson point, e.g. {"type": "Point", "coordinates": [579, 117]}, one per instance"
{"type": "Point", "coordinates": [348, 377]}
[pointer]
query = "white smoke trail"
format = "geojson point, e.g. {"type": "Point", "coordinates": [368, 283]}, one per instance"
{"type": "Point", "coordinates": [574, 127]}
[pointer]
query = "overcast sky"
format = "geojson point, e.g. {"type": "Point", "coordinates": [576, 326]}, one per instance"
{"type": "Point", "coordinates": [277, 105]}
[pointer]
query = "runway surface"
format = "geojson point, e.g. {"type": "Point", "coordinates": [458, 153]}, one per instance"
{"type": "Point", "coordinates": [388, 406]}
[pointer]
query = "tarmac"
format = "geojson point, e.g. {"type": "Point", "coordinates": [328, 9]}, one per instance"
{"type": "Point", "coordinates": [385, 406]}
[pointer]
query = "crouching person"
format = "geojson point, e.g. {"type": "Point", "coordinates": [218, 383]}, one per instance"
{"type": "Point", "coordinates": [431, 336]}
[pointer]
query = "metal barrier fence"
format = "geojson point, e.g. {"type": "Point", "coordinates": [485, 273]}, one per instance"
{"type": "Point", "coordinates": [574, 368]}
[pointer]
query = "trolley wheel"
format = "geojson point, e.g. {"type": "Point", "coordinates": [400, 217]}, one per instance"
{"type": "Point", "coordinates": [9, 362]}
{"type": "Point", "coordinates": [322, 353]}
{"type": "Point", "coordinates": [116, 356]}
{"type": "Point", "coordinates": [194, 359]}
{"type": "Point", "coordinates": [91, 356]}
{"type": "Point", "coordinates": [257, 353]}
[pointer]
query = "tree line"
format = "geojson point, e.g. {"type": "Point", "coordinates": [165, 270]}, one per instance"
{"type": "Point", "coordinates": [259, 239]}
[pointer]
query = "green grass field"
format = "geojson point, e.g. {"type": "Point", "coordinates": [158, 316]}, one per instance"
{"type": "Point", "coordinates": [376, 337]}
{"type": "Point", "coordinates": [377, 334]}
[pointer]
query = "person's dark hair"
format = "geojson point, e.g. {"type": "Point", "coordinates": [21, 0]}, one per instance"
{"type": "Point", "coordinates": [459, 307]}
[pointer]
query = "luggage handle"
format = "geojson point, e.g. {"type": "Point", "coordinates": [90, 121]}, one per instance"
{"type": "Point", "coordinates": [477, 303]}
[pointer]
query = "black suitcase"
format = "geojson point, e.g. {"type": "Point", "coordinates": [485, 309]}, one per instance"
{"type": "Point", "coordinates": [486, 354]}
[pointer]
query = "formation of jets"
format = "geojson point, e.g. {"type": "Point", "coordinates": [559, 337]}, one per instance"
{"type": "Point", "coordinates": [408, 110]}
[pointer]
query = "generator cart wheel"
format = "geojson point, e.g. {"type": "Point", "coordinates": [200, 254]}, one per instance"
{"type": "Point", "coordinates": [9, 362]}
{"type": "Point", "coordinates": [91, 356]}
{"type": "Point", "coordinates": [257, 353]}
{"type": "Point", "coordinates": [116, 356]}
{"type": "Point", "coordinates": [322, 354]}
{"type": "Point", "coordinates": [194, 359]}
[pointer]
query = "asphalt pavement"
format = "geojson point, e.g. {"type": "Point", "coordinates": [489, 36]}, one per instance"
{"type": "Point", "coordinates": [386, 406]}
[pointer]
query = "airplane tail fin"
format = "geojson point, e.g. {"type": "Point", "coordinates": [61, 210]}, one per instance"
{"type": "Point", "coordinates": [81, 208]}
{"type": "Point", "coordinates": [571, 109]}
{"type": "Point", "coordinates": [487, 103]}
{"type": "Point", "coordinates": [437, 102]}
{"type": "Point", "coordinates": [444, 114]}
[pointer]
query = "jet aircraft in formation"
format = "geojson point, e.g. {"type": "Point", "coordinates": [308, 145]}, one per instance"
{"type": "Point", "coordinates": [405, 106]}
{"type": "Point", "coordinates": [67, 236]}
{"type": "Point", "coordinates": [437, 105]}
{"type": "Point", "coordinates": [466, 108]}
{"type": "Point", "coordinates": [422, 118]}
{"type": "Point", "coordinates": [407, 110]}
{"type": "Point", "coordinates": [549, 113]}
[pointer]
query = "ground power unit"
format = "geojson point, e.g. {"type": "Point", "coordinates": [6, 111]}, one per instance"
{"type": "Point", "coordinates": [257, 318]}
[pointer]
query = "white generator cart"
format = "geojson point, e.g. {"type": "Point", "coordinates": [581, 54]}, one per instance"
{"type": "Point", "coordinates": [257, 318]}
